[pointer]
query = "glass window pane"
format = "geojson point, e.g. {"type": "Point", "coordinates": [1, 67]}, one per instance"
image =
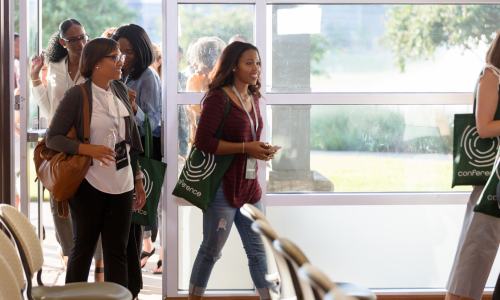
{"type": "Point", "coordinates": [362, 148]}
{"type": "Point", "coordinates": [204, 32]}
{"type": "Point", "coordinates": [230, 272]}
{"type": "Point", "coordinates": [187, 118]}
{"type": "Point", "coordinates": [362, 245]}
{"type": "Point", "coordinates": [377, 48]}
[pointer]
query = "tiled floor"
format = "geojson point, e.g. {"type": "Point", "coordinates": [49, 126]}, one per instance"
{"type": "Point", "coordinates": [54, 273]}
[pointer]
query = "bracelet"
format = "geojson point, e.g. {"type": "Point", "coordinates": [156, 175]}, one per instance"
{"type": "Point", "coordinates": [33, 80]}
{"type": "Point", "coordinates": [243, 148]}
{"type": "Point", "coordinates": [140, 176]}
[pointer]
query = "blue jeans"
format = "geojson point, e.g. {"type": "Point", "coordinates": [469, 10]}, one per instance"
{"type": "Point", "coordinates": [217, 223]}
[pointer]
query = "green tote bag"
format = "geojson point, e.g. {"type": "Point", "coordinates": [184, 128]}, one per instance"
{"type": "Point", "coordinates": [473, 157]}
{"type": "Point", "coordinates": [201, 176]}
{"type": "Point", "coordinates": [154, 173]}
{"type": "Point", "coordinates": [487, 203]}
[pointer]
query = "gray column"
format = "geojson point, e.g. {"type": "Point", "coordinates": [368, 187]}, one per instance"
{"type": "Point", "coordinates": [291, 69]}
{"type": "Point", "coordinates": [6, 101]}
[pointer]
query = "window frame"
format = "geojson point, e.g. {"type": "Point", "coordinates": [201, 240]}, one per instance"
{"type": "Point", "coordinates": [171, 98]}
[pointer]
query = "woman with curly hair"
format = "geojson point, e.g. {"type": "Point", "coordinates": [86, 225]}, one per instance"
{"type": "Point", "coordinates": [63, 58]}
{"type": "Point", "coordinates": [237, 80]}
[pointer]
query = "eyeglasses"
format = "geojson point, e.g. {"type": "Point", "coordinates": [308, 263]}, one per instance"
{"type": "Point", "coordinates": [117, 57]}
{"type": "Point", "coordinates": [84, 39]}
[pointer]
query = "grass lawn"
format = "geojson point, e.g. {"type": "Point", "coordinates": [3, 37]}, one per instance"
{"type": "Point", "coordinates": [373, 172]}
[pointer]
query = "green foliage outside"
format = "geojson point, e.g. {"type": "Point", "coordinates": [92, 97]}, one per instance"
{"type": "Point", "coordinates": [198, 21]}
{"type": "Point", "coordinates": [225, 21]}
{"type": "Point", "coordinates": [95, 15]}
{"type": "Point", "coordinates": [416, 31]}
{"type": "Point", "coordinates": [369, 129]}
{"type": "Point", "coordinates": [356, 128]}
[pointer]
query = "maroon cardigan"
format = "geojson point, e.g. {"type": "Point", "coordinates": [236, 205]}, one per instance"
{"type": "Point", "coordinates": [237, 189]}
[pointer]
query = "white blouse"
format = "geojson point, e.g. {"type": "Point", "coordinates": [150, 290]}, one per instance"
{"type": "Point", "coordinates": [108, 180]}
{"type": "Point", "coordinates": [58, 82]}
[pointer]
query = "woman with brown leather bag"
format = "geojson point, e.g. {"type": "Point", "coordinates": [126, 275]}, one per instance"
{"type": "Point", "coordinates": [104, 200]}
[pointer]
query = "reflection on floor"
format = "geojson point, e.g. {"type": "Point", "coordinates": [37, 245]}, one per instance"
{"type": "Point", "coordinates": [54, 273]}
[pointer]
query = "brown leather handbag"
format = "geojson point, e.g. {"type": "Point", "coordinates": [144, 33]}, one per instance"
{"type": "Point", "coordinates": [60, 173]}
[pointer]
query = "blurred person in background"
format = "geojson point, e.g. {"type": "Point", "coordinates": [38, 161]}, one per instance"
{"type": "Point", "coordinates": [189, 69]}
{"type": "Point", "coordinates": [108, 33]}
{"type": "Point", "coordinates": [238, 38]}
{"type": "Point", "coordinates": [206, 52]}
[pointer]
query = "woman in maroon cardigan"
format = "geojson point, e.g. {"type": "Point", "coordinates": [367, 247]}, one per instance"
{"type": "Point", "coordinates": [237, 74]}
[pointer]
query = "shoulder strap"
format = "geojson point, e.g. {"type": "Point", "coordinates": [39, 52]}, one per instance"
{"type": "Point", "coordinates": [219, 132]}
{"type": "Point", "coordinates": [123, 86]}
{"type": "Point", "coordinates": [86, 116]}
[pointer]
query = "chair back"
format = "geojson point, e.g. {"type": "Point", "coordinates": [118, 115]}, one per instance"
{"type": "Point", "coordinates": [296, 258]}
{"type": "Point", "coordinates": [21, 228]}
{"type": "Point", "coordinates": [9, 288]}
{"type": "Point", "coordinates": [254, 214]}
{"type": "Point", "coordinates": [318, 280]}
{"type": "Point", "coordinates": [9, 253]}
{"type": "Point", "coordinates": [268, 235]}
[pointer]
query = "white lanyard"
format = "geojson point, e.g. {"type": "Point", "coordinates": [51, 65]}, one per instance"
{"type": "Point", "coordinates": [254, 129]}
{"type": "Point", "coordinates": [95, 92]}
{"type": "Point", "coordinates": [67, 75]}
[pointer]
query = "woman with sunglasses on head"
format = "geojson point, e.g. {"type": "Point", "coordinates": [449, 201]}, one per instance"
{"type": "Point", "coordinates": [104, 201]}
{"type": "Point", "coordinates": [63, 58]}
{"type": "Point", "coordinates": [236, 80]}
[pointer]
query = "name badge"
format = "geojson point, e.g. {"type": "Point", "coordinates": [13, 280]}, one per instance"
{"type": "Point", "coordinates": [251, 167]}
{"type": "Point", "coordinates": [121, 159]}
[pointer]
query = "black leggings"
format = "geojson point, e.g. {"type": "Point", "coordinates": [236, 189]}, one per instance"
{"type": "Point", "coordinates": [93, 213]}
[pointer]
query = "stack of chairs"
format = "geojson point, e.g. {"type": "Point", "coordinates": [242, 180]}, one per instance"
{"type": "Point", "coordinates": [13, 284]}
{"type": "Point", "coordinates": [291, 271]}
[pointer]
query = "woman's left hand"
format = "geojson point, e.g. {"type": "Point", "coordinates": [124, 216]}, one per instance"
{"type": "Point", "coordinates": [140, 195]}
{"type": "Point", "coordinates": [132, 96]}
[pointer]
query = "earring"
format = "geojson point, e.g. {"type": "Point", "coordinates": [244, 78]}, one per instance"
{"type": "Point", "coordinates": [97, 67]}
{"type": "Point", "coordinates": [234, 70]}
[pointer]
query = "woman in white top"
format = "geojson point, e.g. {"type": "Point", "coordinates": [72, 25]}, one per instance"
{"type": "Point", "coordinates": [63, 57]}
{"type": "Point", "coordinates": [104, 201]}
{"type": "Point", "coordinates": [480, 236]}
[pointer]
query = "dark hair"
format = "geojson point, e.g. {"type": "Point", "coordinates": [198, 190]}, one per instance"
{"type": "Point", "coordinates": [55, 51]}
{"type": "Point", "coordinates": [93, 52]}
{"type": "Point", "coordinates": [224, 68]}
{"type": "Point", "coordinates": [180, 50]}
{"type": "Point", "coordinates": [16, 35]}
{"type": "Point", "coordinates": [493, 54]}
{"type": "Point", "coordinates": [142, 45]}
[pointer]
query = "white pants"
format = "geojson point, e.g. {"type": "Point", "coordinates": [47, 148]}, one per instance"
{"type": "Point", "coordinates": [476, 251]}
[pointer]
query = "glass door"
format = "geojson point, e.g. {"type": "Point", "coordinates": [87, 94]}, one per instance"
{"type": "Point", "coordinates": [32, 127]}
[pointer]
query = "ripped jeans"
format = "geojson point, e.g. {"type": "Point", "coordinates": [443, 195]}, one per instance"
{"type": "Point", "coordinates": [217, 223]}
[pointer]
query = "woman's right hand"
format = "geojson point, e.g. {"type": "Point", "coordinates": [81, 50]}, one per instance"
{"type": "Point", "coordinates": [36, 66]}
{"type": "Point", "coordinates": [99, 152]}
{"type": "Point", "coordinates": [259, 150]}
